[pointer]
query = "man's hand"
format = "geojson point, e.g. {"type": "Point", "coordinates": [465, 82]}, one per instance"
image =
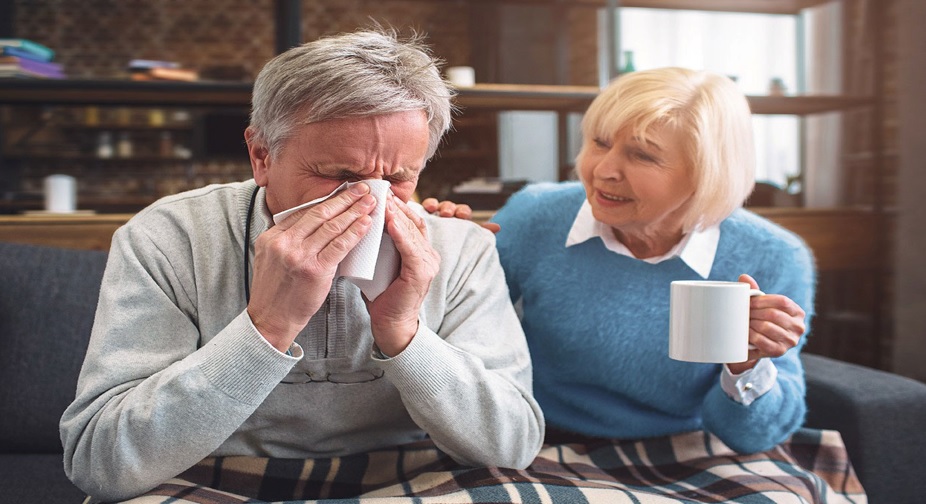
{"type": "Point", "coordinates": [296, 260]}
{"type": "Point", "coordinates": [776, 324]}
{"type": "Point", "coordinates": [448, 208]}
{"type": "Point", "coordinates": [394, 313]}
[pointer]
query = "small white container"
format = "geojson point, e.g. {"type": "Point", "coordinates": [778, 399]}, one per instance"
{"type": "Point", "coordinates": [462, 76]}
{"type": "Point", "coordinates": [60, 194]}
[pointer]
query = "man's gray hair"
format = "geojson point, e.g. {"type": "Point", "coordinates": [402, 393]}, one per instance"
{"type": "Point", "coordinates": [368, 72]}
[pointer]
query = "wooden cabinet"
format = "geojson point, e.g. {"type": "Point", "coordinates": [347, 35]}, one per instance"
{"type": "Point", "coordinates": [127, 142]}
{"type": "Point", "coordinates": [93, 232]}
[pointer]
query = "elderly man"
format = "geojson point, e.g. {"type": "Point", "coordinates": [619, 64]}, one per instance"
{"type": "Point", "coordinates": [221, 333]}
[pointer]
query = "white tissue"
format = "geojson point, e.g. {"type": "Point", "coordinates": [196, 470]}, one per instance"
{"type": "Point", "coordinates": [374, 263]}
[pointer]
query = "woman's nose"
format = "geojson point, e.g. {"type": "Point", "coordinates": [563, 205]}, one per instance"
{"type": "Point", "coordinates": [610, 166]}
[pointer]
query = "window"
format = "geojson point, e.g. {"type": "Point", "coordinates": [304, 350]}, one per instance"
{"type": "Point", "coordinates": [751, 48]}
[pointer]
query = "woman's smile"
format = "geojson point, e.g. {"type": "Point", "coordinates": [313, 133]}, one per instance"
{"type": "Point", "coordinates": [610, 199]}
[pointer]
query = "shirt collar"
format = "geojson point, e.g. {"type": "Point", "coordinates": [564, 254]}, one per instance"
{"type": "Point", "coordinates": [697, 249]}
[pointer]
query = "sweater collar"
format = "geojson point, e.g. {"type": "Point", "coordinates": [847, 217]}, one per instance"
{"type": "Point", "coordinates": [697, 249]}
{"type": "Point", "coordinates": [261, 218]}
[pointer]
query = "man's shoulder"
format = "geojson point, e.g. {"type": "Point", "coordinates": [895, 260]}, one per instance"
{"type": "Point", "coordinates": [449, 233]}
{"type": "Point", "coordinates": [204, 198]}
{"type": "Point", "coordinates": [202, 210]}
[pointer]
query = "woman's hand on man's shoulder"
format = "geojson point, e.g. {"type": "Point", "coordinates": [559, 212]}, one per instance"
{"type": "Point", "coordinates": [448, 208]}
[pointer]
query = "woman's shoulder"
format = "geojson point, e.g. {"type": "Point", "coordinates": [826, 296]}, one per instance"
{"type": "Point", "coordinates": [542, 200]}
{"type": "Point", "coordinates": [554, 190]}
{"type": "Point", "coordinates": [746, 227]}
{"type": "Point", "coordinates": [747, 222]}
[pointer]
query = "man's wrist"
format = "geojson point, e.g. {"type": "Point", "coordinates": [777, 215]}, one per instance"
{"type": "Point", "coordinates": [282, 343]}
{"type": "Point", "coordinates": [393, 344]}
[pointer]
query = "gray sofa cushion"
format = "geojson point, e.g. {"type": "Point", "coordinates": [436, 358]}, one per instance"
{"type": "Point", "coordinates": [881, 417]}
{"type": "Point", "coordinates": [38, 479]}
{"type": "Point", "coordinates": [46, 292]}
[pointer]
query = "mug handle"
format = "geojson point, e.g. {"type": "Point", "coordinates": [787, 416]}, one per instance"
{"type": "Point", "coordinates": [754, 292]}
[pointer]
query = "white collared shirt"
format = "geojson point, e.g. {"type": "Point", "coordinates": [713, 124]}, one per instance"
{"type": "Point", "coordinates": [697, 249]}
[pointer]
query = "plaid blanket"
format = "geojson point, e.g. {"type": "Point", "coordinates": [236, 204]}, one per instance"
{"type": "Point", "coordinates": [695, 467]}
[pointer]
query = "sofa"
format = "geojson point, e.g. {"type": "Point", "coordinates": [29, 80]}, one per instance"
{"type": "Point", "coordinates": [47, 303]}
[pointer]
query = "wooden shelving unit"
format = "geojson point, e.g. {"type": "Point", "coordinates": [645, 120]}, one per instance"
{"type": "Point", "coordinates": [754, 6]}
{"type": "Point", "coordinates": [123, 92]}
{"type": "Point", "coordinates": [480, 96]}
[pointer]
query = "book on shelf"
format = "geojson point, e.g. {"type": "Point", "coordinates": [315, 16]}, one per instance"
{"type": "Point", "coordinates": [20, 73]}
{"type": "Point", "coordinates": [145, 64]}
{"type": "Point", "coordinates": [34, 48]}
{"type": "Point", "coordinates": [22, 53]}
{"type": "Point", "coordinates": [14, 66]}
{"type": "Point", "coordinates": [163, 73]}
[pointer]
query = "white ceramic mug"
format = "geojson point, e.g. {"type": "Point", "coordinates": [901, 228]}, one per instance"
{"type": "Point", "coordinates": [462, 76]}
{"type": "Point", "coordinates": [709, 321]}
{"type": "Point", "coordinates": [60, 194]}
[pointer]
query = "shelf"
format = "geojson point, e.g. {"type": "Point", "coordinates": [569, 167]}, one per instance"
{"type": "Point", "coordinates": [577, 99]}
{"type": "Point", "coordinates": [463, 154]}
{"type": "Point", "coordinates": [126, 127]}
{"type": "Point", "coordinates": [123, 92]}
{"type": "Point", "coordinates": [141, 158]}
{"type": "Point", "coordinates": [752, 6]}
{"type": "Point", "coordinates": [103, 204]}
{"type": "Point", "coordinates": [526, 97]}
{"type": "Point", "coordinates": [805, 105]}
{"type": "Point", "coordinates": [480, 96]}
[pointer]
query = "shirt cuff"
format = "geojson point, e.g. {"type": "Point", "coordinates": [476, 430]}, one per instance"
{"type": "Point", "coordinates": [378, 354]}
{"type": "Point", "coordinates": [294, 350]}
{"type": "Point", "coordinates": [749, 385]}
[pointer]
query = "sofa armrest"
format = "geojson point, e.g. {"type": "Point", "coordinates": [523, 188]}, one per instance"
{"type": "Point", "coordinates": [881, 417]}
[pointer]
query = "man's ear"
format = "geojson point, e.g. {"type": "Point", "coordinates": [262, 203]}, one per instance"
{"type": "Point", "coordinates": [260, 157]}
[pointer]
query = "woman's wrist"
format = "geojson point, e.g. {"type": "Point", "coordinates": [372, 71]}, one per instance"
{"type": "Point", "coordinates": [741, 367]}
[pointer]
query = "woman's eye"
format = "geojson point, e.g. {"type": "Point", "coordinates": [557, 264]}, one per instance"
{"type": "Point", "coordinates": [642, 156]}
{"type": "Point", "coordinates": [602, 144]}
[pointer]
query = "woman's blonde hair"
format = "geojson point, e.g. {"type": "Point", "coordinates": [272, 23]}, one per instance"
{"type": "Point", "coordinates": [712, 116]}
{"type": "Point", "coordinates": [365, 73]}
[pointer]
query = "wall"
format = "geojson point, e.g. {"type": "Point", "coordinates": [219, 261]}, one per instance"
{"type": "Point", "coordinates": [909, 351]}
{"type": "Point", "coordinates": [96, 38]}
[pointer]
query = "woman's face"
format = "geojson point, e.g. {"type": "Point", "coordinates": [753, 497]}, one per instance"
{"type": "Point", "coordinates": [638, 187]}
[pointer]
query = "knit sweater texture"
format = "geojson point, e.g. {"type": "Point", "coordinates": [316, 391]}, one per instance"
{"type": "Point", "coordinates": [597, 324]}
{"type": "Point", "coordinates": [176, 372]}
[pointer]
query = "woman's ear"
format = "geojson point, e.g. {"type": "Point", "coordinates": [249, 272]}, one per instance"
{"type": "Point", "coordinates": [260, 157]}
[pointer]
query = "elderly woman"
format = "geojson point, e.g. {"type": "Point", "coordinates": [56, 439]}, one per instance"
{"type": "Point", "coordinates": [666, 163]}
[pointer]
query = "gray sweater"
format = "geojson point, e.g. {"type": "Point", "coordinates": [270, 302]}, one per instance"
{"type": "Point", "coordinates": [176, 372]}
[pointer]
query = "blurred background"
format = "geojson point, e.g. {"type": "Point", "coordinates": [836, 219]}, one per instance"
{"type": "Point", "coordinates": [137, 100]}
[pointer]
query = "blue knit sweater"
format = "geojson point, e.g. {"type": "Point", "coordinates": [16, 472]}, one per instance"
{"type": "Point", "coordinates": [598, 322]}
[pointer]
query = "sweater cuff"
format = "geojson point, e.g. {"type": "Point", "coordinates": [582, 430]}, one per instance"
{"type": "Point", "coordinates": [425, 369]}
{"type": "Point", "coordinates": [241, 363]}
